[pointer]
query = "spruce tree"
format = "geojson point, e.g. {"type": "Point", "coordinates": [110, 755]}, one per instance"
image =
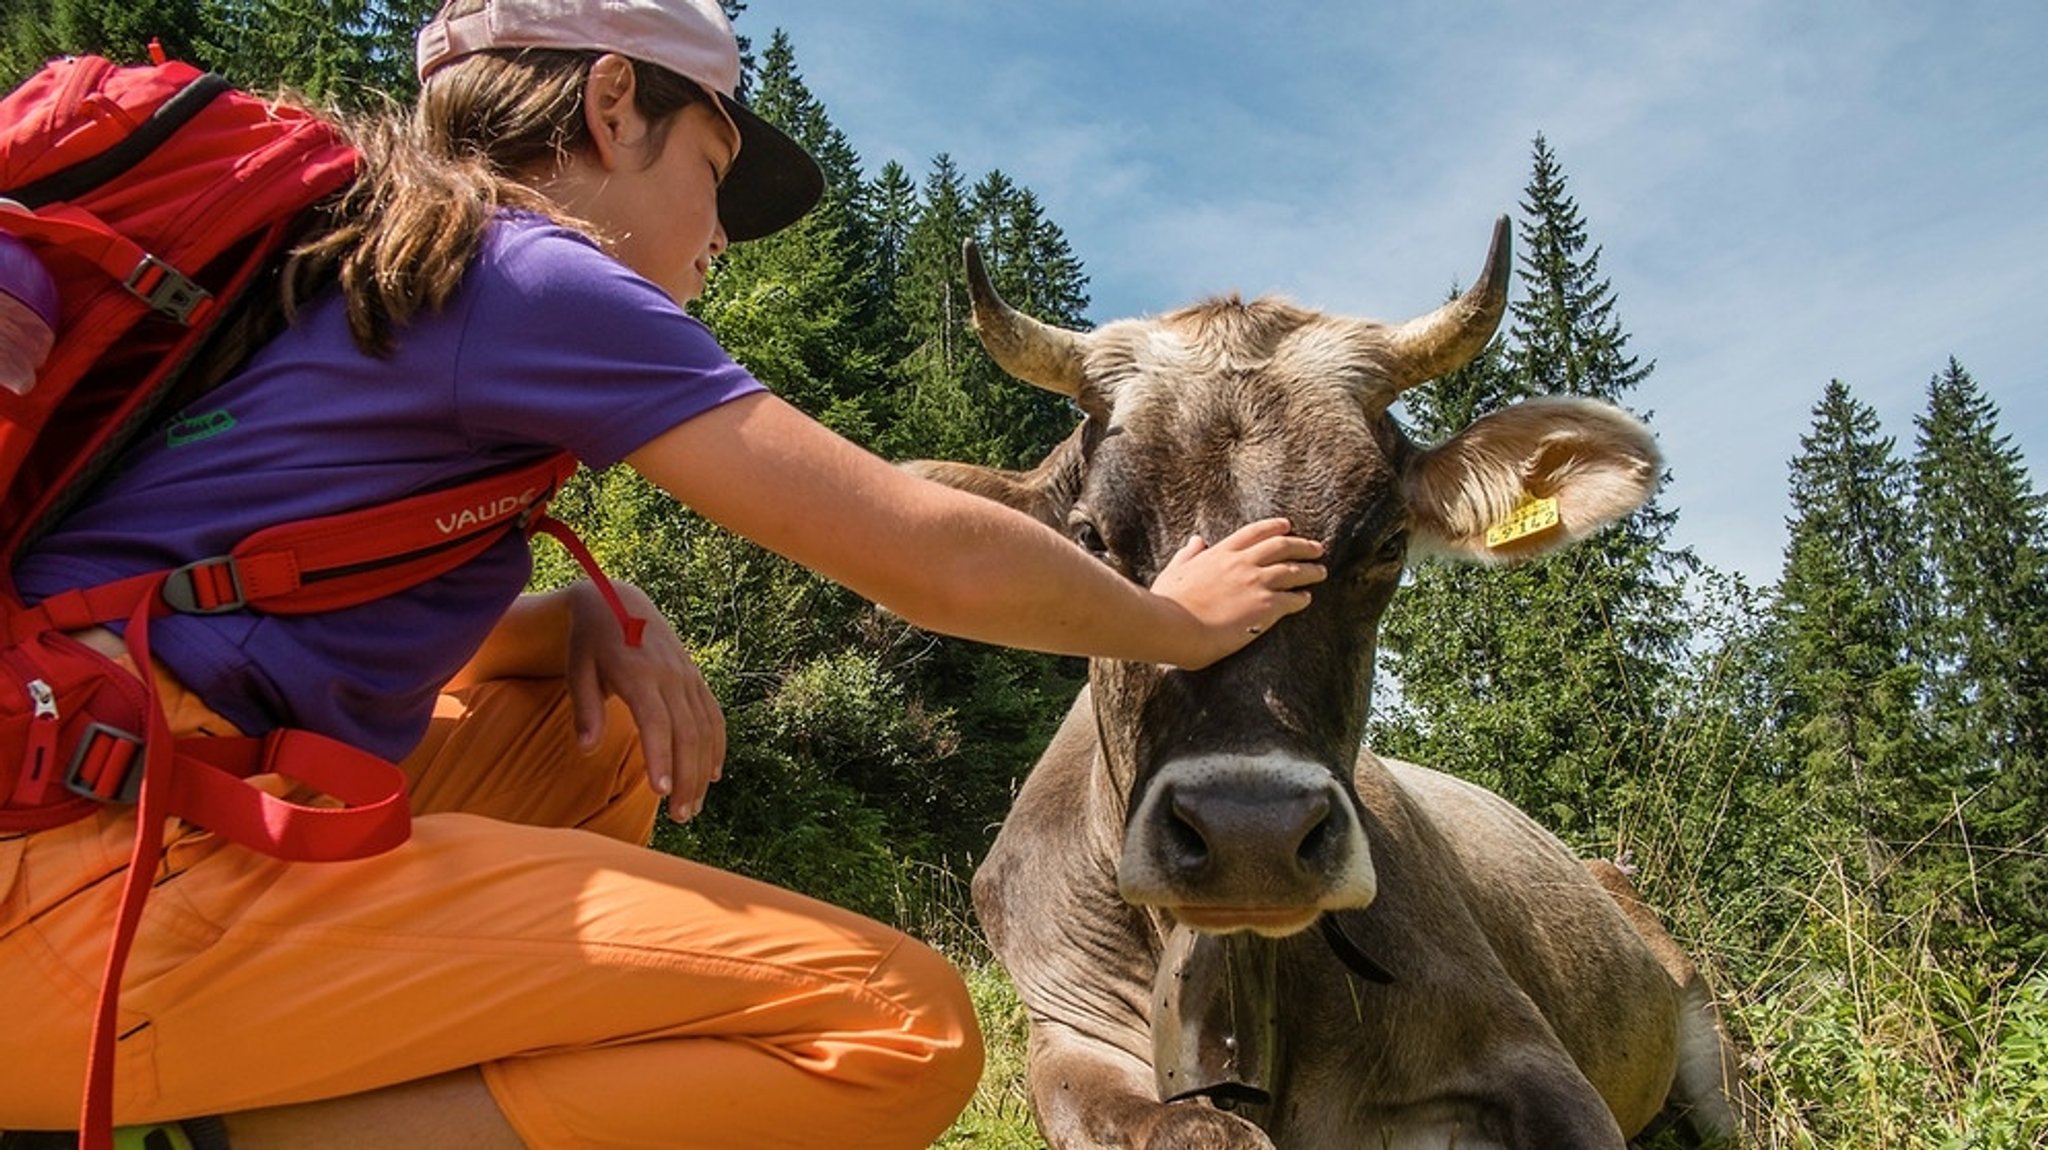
{"type": "Point", "coordinates": [795, 307]}
{"type": "Point", "coordinates": [1843, 622]}
{"type": "Point", "coordinates": [345, 52]}
{"type": "Point", "coordinates": [892, 210]}
{"type": "Point", "coordinates": [777, 92]}
{"type": "Point", "coordinates": [353, 53]}
{"type": "Point", "coordinates": [1985, 640]}
{"type": "Point", "coordinates": [1028, 258]}
{"type": "Point", "coordinates": [1567, 338]}
{"type": "Point", "coordinates": [953, 403]}
{"type": "Point", "coordinates": [935, 415]}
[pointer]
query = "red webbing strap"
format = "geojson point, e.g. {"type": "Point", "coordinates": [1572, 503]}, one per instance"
{"type": "Point", "coordinates": [96, 1121]}
{"type": "Point", "coordinates": [125, 261]}
{"type": "Point", "coordinates": [562, 533]}
{"type": "Point", "coordinates": [200, 780]}
{"type": "Point", "coordinates": [207, 789]}
{"type": "Point", "coordinates": [75, 610]}
{"type": "Point", "coordinates": [328, 563]}
{"type": "Point", "coordinates": [357, 556]}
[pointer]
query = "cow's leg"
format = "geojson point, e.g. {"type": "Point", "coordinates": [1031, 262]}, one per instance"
{"type": "Point", "coordinates": [1093, 1095]}
{"type": "Point", "coordinates": [1708, 1095]}
{"type": "Point", "coordinates": [1554, 1106]}
{"type": "Point", "coordinates": [1517, 1094]}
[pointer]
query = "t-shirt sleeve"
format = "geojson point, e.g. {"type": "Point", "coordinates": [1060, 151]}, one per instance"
{"type": "Point", "coordinates": [565, 345]}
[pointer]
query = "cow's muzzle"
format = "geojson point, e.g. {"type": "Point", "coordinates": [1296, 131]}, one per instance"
{"type": "Point", "coordinates": [1262, 843]}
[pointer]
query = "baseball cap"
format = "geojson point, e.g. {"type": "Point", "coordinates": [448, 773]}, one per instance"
{"type": "Point", "coordinates": [773, 180]}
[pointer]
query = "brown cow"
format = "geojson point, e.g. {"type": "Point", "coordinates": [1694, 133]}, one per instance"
{"type": "Point", "coordinates": [1235, 928]}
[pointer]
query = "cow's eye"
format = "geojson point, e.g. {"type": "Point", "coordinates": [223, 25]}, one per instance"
{"type": "Point", "coordinates": [1392, 549]}
{"type": "Point", "coordinates": [1088, 535]}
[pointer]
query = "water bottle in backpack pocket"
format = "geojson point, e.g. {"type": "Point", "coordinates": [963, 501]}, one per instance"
{"type": "Point", "coordinates": [28, 315]}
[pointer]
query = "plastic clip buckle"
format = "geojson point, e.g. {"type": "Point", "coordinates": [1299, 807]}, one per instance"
{"type": "Point", "coordinates": [206, 587]}
{"type": "Point", "coordinates": [107, 765]}
{"type": "Point", "coordinates": [166, 289]}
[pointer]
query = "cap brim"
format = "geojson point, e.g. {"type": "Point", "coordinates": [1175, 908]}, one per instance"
{"type": "Point", "coordinates": [772, 183]}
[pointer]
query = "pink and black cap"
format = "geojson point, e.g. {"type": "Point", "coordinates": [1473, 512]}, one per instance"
{"type": "Point", "coordinates": [773, 180]}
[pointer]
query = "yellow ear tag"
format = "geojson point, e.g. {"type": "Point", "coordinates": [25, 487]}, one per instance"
{"type": "Point", "coordinates": [1532, 517]}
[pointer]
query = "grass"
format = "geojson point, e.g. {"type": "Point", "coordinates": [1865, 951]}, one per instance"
{"type": "Point", "coordinates": [999, 1118]}
{"type": "Point", "coordinates": [1864, 1036]}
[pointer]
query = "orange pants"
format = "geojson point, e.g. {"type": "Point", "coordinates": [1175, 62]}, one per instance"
{"type": "Point", "coordinates": [612, 995]}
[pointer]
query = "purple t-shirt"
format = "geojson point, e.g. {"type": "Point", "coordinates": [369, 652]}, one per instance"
{"type": "Point", "coordinates": [548, 344]}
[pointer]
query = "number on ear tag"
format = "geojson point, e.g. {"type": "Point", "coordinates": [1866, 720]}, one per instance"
{"type": "Point", "coordinates": [1531, 518]}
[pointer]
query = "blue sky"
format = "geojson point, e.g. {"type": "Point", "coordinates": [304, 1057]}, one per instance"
{"type": "Point", "coordinates": [1783, 193]}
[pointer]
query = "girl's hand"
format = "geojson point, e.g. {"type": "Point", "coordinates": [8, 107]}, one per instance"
{"type": "Point", "coordinates": [682, 730]}
{"type": "Point", "coordinates": [1238, 588]}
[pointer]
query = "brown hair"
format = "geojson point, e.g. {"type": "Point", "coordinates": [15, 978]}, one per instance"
{"type": "Point", "coordinates": [401, 236]}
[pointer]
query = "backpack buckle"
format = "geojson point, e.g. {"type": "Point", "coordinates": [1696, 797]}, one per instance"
{"type": "Point", "coordinates": [206, 587]}
{"type": "Point", "coordinates": [166, 289]}
{"type": "Point", "coordinates": [107, 765]}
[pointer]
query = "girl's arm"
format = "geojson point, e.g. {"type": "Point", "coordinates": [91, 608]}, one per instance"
{"type": "Point", "coordinates": [959, 564]}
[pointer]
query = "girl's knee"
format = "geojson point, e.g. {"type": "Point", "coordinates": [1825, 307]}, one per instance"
{"type": "Point", "coordinates": [941, 1013]}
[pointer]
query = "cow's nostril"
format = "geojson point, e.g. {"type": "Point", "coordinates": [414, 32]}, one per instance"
{"type": "Point", "coordinates": [1319, 839]}
{"type": "Point", "coordinates": [1184, 846]}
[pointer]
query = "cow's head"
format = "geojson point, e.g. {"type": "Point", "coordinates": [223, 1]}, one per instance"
{"type": "Point", "coordinates": [1240, 811]}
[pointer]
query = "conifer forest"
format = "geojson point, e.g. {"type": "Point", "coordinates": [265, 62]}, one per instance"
{"type": "Point", "coordinates": [1834, 787]}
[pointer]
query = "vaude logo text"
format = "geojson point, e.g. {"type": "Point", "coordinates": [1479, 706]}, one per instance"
{"type": "Point", "coordinates": [482, 513]}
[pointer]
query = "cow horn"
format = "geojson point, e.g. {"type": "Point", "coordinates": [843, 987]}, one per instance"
{"type": "Point", "coordinates": [1446, 339]}
{"type": "Point", "coordinates": [1037, 353]}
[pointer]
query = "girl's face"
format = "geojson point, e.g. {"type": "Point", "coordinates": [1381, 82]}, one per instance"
{"type": "Point", "coordinates": [653, 190]}
{"type": "Point", "coordinates": [666, 218]}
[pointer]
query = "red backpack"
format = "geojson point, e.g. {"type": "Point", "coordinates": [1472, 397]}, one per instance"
{"type": "Point", "coordinates": [156, 197]}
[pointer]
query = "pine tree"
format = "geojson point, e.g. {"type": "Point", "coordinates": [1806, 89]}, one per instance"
{"type": "Point", "coordinates": [1985, 640]}
{"type": "Point", "coordinates": [1844, 616]}
{"type": "Point", "coordinates": [892, 210]}
{"type": "Point", "coordinates": [1567, 339]}
{"type": "Point", "coordinates": [955, 404]}
{"type": "Point", "coordinates": [796, 307]}
{"type": "Point", "coordinates": [347, 52]}
{"type": "Point", "coordinates": [935, 415]}
{"type": "Point", "coordinates": [778, 94]}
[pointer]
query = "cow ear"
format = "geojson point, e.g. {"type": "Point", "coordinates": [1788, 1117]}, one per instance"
{"type": "Point", "coordinates": [1529, 479]}
{"type": "Point", "coordinates": [1011, 488]}
{"type": "Point", "coordinates": [1045, 492]}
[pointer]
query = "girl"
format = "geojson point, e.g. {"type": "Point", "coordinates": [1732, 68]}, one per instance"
{"type": "Point", "coordinates": [506, 280]}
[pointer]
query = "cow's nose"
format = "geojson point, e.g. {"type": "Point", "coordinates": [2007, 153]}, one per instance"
{"type": "Point", "coordinates": [1211, 828]}
{"type": "Point", "coordinates": [1249, 839]}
